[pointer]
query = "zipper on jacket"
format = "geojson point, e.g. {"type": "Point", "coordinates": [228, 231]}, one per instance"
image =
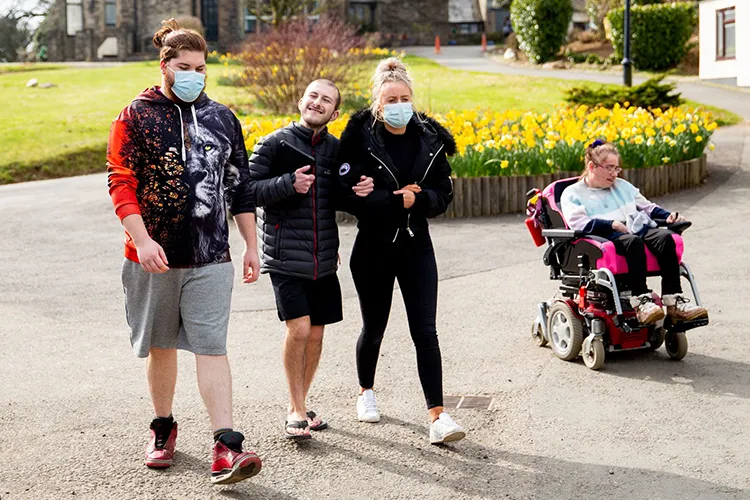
{"type": "Point", "coordinates": [315, 220]}
{"type": "Point", "coordinates": [386, 167]}
{"type": "Point", "coordinates": [395, 237]}
{"type": "Point", "coordinates": [430, 165]}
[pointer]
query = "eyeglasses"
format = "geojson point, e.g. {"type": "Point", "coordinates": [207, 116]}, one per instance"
{"type": "Point", "coordinates": [612, 169]}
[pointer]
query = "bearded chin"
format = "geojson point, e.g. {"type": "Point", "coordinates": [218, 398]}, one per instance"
{"type": "Point", "coordinates": [317, 120]}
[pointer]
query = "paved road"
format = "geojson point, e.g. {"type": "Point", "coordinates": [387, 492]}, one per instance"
{"type": "Point", "coordinates": [74, 408]}
{"type": "Point", "coordinates": [470, 58]}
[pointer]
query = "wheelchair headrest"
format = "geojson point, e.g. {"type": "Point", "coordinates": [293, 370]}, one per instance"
{"type": "Point", "coordinates": [552, 195]}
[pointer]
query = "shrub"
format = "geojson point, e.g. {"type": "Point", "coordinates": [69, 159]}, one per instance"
{"type": "Point", "coordinates": [541, 26]}
{"type": "Point", "coordinates": [279, 65]}
{"type": "Point", "coordinates": [650, 94]}
{"type": "Point", "coordinates": [659, 34]}
{"type": "Point", "coordinates": [597, 11]}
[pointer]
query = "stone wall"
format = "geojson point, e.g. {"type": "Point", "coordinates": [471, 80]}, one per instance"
{"type": "Point", "coordinates": [419, 20]}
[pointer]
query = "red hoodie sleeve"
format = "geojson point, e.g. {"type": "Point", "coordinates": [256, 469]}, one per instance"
{"type": "Point", "coordinates": [121, 159]}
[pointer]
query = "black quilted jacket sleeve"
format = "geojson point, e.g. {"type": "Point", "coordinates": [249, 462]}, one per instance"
{"type": "Point", "coordinates": [269, 189]}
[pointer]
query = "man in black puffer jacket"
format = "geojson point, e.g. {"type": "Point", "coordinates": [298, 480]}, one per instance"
{"type": "Point", "coordinates": [293, 175]}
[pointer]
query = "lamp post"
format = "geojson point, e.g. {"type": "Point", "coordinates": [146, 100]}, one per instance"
{"type": "Point", "coordinates": [627, 64]}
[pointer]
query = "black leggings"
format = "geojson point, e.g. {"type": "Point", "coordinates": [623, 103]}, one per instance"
{"type": "Point", "coordinates": [662, 245]}
{"type": "Point", "coordinates": [375, 264]}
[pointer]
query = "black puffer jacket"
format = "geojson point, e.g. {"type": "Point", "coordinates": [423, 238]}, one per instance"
{"type": "Point", "coordinates": [298, 231]}
{"type": "Point", "coordinates": [363, 153]}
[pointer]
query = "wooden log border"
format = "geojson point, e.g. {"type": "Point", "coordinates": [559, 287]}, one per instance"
{"type": "Point", "coordinates": [486, 196]}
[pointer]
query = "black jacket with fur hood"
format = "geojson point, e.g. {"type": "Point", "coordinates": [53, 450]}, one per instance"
{"type": "Point", "coordinates": [363, 152]}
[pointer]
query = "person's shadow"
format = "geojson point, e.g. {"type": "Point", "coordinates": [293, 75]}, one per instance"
{"type": "Point", "coordinates": [705, 374]}
{"type": "Point", "coordinates": [471, 469]}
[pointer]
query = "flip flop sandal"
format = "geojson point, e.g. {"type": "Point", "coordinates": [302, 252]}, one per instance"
{"type": "Point", "coordinates": [296, 424]}
{"type": "Point", "coordinates": [322, 425]}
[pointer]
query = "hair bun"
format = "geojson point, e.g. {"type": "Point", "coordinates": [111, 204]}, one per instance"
{"type": "Point", "coordinates": [167, 27]}
{"type": "Point", "coordinates": [391, 64]}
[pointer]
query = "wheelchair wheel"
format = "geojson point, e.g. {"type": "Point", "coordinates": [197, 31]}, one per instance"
{"type": "Point", "coordinates": [593, 353]}
{"type": "Point", "coordinates": [660, 334]}
{"type": "Point", "coordinates": [537, 334]}
{"type": "Point", "coordinates": [566, 332]}
{"type": "Point", "coordinates": [676, 344]}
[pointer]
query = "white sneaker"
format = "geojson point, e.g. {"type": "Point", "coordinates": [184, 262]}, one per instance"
{"type": "Point", "coordinates": [646, 309]}
{"type": "Point", "coordinates": [445, 430]}
{"type": "Point", "coordinates": [367, 407]}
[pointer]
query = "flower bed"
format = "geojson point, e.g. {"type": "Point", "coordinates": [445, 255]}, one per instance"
{"type": "Point", "coordinates": [516, 143]}
{"type": "Point", "coordinates": [503, 155]}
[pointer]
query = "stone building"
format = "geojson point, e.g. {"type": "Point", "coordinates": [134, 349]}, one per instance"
{"type": "Point", "coordinates": [122, 29]}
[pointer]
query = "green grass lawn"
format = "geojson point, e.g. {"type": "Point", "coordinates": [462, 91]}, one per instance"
{"type": "Point", "coordinates": [26, 67]}
{"type": "Point", "coordinates": [63, 130]}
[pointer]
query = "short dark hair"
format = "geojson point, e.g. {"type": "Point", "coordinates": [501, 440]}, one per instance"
{"type": "Point", "coordinates": [330, 84]}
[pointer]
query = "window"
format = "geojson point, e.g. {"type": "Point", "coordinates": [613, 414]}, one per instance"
{"type": "Point", "coordinates": [74, 16]}
{"type": "Point", "coordinates": [468, 28]}
{"type": "Point", "coordinates": [250, 21]}
{"type": "Point", "coordinates": [210, 18]}
{"type": "Point", "coordinates": [110, 12]}
{"type": "Point", "coordinates": [362, 14]}
{"type": "Point", "coordinates": [725, 34]}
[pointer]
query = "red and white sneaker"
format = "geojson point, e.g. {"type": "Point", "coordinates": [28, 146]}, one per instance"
{"type": "Point", "coordinates": [160, 448]}
{"type": "Point", "coordinates": [229, 465]}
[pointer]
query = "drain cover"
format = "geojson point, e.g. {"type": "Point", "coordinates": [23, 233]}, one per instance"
{"type": "Point", "coordinates": [468, 402]}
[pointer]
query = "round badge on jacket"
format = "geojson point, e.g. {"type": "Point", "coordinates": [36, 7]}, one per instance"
{"type": "Point", "coordinates": [344, 169]}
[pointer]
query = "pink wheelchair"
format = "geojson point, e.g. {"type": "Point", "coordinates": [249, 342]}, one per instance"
{"type": "Point", "coordinates": [592, 315]}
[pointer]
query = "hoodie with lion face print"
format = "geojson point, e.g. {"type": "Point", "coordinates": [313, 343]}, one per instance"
{"type": "Point", "coordinates": [179, 167]}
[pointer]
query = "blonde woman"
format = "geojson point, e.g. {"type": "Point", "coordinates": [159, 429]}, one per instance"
{"type": "Point", "coordinates": [605, 205]}
{"type": "Point", "coordinates": [406, 155]}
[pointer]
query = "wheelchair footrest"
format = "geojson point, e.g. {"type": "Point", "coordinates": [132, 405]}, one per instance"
{"type": "Point", "coordinates": [684, 326]}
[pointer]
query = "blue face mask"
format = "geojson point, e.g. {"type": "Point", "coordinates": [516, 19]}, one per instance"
{"type": "Point", "coordinates": [188, 85]}
{"type": "Point", "coordinates": [398, 115]}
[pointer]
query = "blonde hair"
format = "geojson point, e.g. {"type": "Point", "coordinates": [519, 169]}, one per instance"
{"type": "Point", "coordinates": [388, 71]}
{"type": "Point", "coordinates": [171, 39]}
{"type": "Point", "coordinates": [597, 152]}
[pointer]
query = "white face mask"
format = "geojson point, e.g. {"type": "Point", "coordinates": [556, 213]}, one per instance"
{"type": "Point", "coordinates": [398, 115]}
{"type": "Point", "coordinates": [188, 85]}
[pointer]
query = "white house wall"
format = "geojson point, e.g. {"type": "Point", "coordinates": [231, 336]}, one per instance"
{"type": "Point", "coordinates": [738, 68]}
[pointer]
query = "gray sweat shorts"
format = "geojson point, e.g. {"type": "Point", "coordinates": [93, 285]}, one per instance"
{"type": "Point", "coordinates": [182, 308]}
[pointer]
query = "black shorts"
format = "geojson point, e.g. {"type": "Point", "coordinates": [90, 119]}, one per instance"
{"type": "Point", "coordinates": [298, 297]}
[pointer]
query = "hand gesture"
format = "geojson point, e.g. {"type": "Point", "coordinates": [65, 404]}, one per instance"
{"type": "Point", "coordinates": [414, 188]}
{"type": "Point", "coordinates": [620, 227]}
{"type": "Point", "coordinates": [152, 257]}
{"type": "Point", "coordinates": [250, 266]}
{"type": "Point", "coordinates": [303, 181]}
{"type": "Point", "coordinates": [409, 196]}
{"type": "Point", "coordinates": [364, 186]}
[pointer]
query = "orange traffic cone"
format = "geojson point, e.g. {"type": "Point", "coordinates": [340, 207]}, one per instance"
{"type": "Point", "coordinates": [437, 44]}
{"type": "Point", "coordinates": [484, 42]}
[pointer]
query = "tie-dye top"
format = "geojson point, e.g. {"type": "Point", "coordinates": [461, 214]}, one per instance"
{"type": "Point", "coordinates": [592, 210]}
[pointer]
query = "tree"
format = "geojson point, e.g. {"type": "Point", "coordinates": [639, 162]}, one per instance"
{"type": "Point", "coordinates": [279, 11]}
{"type": "Point", "coordinates": [17, 25]}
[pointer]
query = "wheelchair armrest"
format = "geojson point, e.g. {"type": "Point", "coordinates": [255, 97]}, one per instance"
{"type": "Point", "coordinates": [562, 234]}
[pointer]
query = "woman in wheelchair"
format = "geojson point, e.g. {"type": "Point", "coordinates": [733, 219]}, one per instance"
{"type": "Point", "coordinates": [603, 204]}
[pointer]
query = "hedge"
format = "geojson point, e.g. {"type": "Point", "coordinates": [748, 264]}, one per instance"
{"type": "Point", "coordinates": [541, 26]}
{"type": "Point", "coordinates": [659, 34]}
